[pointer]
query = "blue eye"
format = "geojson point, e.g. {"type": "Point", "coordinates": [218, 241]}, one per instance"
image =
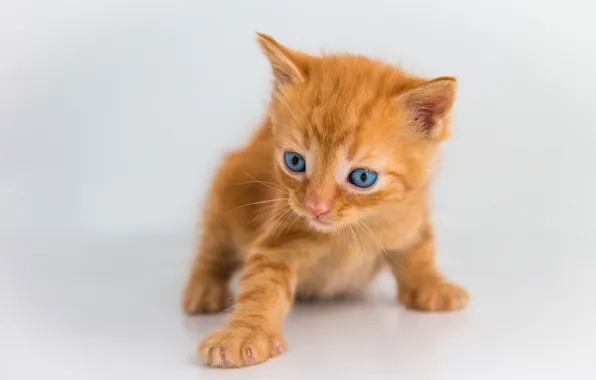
{"type": "Point", "coordinates": [295, 162]}
{"type": "Point", "coordinates": [362, 178]}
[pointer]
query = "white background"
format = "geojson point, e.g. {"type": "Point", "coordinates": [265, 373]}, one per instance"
{"type": "Point", "coordinates": [113, 114]}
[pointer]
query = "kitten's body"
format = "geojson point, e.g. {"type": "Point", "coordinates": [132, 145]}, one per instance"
{"type": "Point", "coordinates": [349, 259]}
{"type": "Point", "coordinates": [340, 112]}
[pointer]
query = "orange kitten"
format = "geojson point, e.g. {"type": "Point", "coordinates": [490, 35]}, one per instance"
{"type": "Point", "coordinates": [333, 186]}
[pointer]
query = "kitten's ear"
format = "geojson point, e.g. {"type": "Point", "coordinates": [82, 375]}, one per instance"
{"type": "Point", "coordinates": [288, 66]}
{"type": "Point", "coordinates": [429, 104]}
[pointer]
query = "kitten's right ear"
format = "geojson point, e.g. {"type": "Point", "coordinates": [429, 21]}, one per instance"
{"type": "Point", "coordinates": [288, 66]}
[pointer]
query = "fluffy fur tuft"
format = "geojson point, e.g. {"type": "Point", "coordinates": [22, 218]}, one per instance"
{"type": "Point", "coordinates": [314, 233]}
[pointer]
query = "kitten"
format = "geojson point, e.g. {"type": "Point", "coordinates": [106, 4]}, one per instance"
{"type": "Point", "coordinates": [332, 187]}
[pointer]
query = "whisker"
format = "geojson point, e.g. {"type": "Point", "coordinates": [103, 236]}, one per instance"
{"type": "Point", "coordinates": [356, 241]}
{"type": "Point", "coordinates": [371, 235]}
{"type": "Point", "coordinates": [262, 212]}
{"type": "Point", "coordinates": [258, 203]}
{"type": "Point", "coordinates": [284, 221]}
{"type": "Point", "coordinates": [347, 230]}
{"type": "Point", "coordinates": [270, 185]}
{"type": "Point", "coordinates": [273, 221]}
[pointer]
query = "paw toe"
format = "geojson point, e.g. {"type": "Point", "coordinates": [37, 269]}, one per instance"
{"type": "Point", "coordinates": [239, 347]}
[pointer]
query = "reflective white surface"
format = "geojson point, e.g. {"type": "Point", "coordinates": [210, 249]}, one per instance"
{"type": "Point", "coordinates": [113, 114]}
{"type": "Point", "coordinates": [93, 309]}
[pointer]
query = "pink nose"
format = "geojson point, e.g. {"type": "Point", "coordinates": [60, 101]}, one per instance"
{"type": "Point", "coordinates": [317, 207]}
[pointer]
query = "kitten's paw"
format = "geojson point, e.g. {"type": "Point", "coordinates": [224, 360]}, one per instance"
{"type": "Point", "coordinates": [239, 346]}
{"type": "Point", "coordinates": [435, 297]}
{"type": "Point", "coordinates": [206, 296]}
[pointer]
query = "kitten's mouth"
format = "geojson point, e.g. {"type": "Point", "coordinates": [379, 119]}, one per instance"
{"type": "Point", "coordinates": [318, 222]}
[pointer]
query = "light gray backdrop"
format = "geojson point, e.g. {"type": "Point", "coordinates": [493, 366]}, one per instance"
{"type": "Point", "coordinates": [113, 114]}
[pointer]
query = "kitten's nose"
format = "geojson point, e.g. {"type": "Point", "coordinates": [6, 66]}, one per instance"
{"type": "Point", "coordinates": [317, 207]}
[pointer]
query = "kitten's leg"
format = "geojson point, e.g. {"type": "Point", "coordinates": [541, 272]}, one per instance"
{"type": "Point", "coordinates": [207, 288]}
{"type": "Point", "coordinates": [253, 332]}
{"type": "Point", "coordinates": [421, 285]}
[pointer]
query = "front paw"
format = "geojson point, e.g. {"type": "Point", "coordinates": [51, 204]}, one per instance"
{"type": "Point", "coordinates": [240, 346]}
{"type": "Point", "coordinates": [437, 296]}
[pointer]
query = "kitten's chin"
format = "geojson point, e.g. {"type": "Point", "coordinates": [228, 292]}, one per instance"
{"type": "Point", "coordinates": [322, 225]}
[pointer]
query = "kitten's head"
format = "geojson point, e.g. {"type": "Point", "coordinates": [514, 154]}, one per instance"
{"type": "Point", "coordinates": [354, 136]}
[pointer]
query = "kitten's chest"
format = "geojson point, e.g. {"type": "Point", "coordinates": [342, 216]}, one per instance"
{"type": "Point", "coordinates": [349, 265]}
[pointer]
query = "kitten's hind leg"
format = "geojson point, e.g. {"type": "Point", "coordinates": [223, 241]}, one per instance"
{"type": "Point", "coordinates": [207, 289]}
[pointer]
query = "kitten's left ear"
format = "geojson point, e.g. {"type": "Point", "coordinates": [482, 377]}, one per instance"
{"type": "Point", "coordinates": [288, 66]}
{"type": "Point", "coordinates": [428, 105]}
